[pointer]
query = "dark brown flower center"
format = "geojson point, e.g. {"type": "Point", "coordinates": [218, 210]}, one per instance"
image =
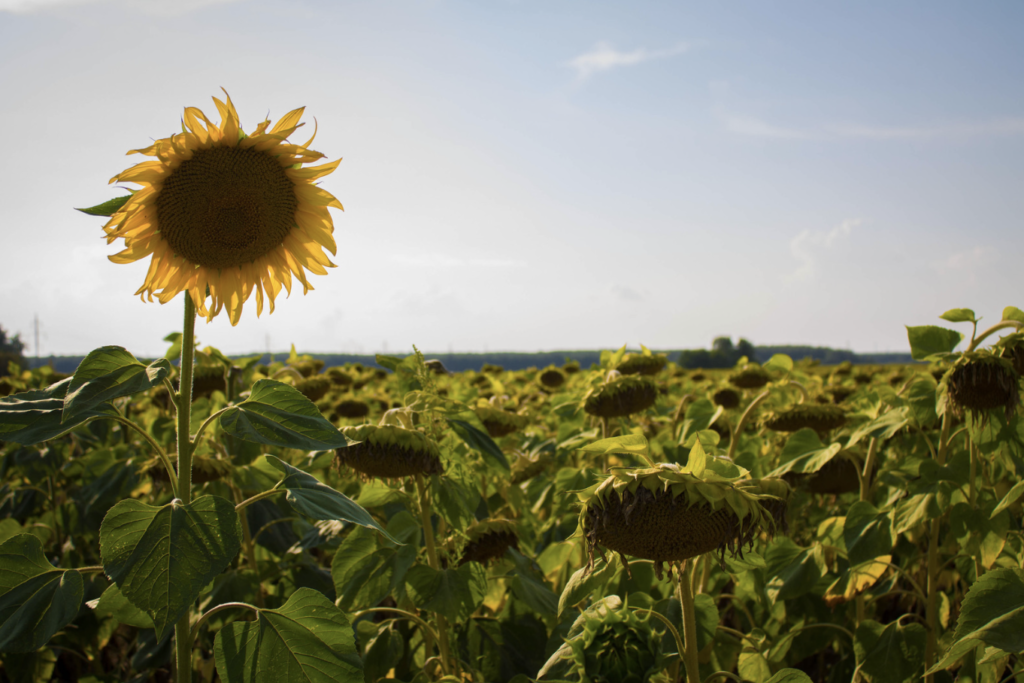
{"type": "Point", "coordinates": [226, 207]}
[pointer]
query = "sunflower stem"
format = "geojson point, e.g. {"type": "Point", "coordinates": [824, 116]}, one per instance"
{"type": "Point", "coordinates": [183, 629]}
{"type": "Point", "coordinates": [932, 567]}
{"type": "Point", "coordinates": [683, 590]}
{"type": "Point", "coordinates": [435, 564]}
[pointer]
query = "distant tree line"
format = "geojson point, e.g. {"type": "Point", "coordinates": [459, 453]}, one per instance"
{"type": "Point", "coordinates": [723, 354]}
{"type": "Point", "coordinates": [11, 351]}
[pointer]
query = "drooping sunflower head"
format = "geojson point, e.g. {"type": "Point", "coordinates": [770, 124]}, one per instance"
{"type": "Point", "coordinates": [551, 377]}
{"type": "Point", "coordinates": [224, 214]}
{"type": "Point", "coordinates": [389, 452]}
{"type": "Point", "coordinates": [727, 398]}
{"type": "Point", "coordinates": [750, 377]}
{"type": "Point", "coordinates": [500, 422]}
{"type": "Point", "coordinates": [982, 382]}
{"type": "Point", "coordinates": [488, 540]}
{"type": "Point", "coordinates": [642, 364]}
{"type": "Point", "coordinates": [314, 388]}
{"type": "Point", "coordinates": [820, 418]}
{"type": "Point", "coordinates": [668, 515]}
{"type": "Point", "coordinates": [621, 396]}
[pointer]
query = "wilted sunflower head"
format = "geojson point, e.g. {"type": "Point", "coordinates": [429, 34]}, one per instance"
{"type": "Point", "coordinates": [621, 396]}
{"type": "Point", "coordinates": [750, 377]}
{"type": "Point", "coordinates": [837, 476]}
{"type": "Point", "coordinates": [207, 379]}
{"type": "Point", "coordinates": [642, 364]}
{"type": "Point", "coordinates": [314, 388]}
{"type": "Point", "coordinates": [351, 408]}
{"type": "Point", "coordinates": [204, 469]}
{"type": "Point", "coordinates": [551, 377]}
{"type": "Point", "coordinates": [389, 452]}
{"type": "Point", "coordinates": [223, 214]}
{"type": "Point", "coordinates": [667, 514]}
{"type": "Point", "coordinates": [982, 382]}
{"type": "Point", "coordinates": [488, 541]}
{"type": "Point", "coordinates": [820, 418]}
{"type": "Point", "coordinates": [1012, 349]}
{"type": "Point", "coordinates": [499, 422]}
{"type": "Point", "coordinates": [727, 398]}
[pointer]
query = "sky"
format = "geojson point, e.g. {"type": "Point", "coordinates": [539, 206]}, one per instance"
{"type": "Point", "coordinates": [527, 175]}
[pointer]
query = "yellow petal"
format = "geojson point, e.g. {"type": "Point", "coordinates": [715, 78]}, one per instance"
{"type": "Point", "coordinates": [312, 172]}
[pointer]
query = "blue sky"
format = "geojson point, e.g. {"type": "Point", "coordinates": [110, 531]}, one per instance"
{"type": "Point", "coordinates": [528, 175]}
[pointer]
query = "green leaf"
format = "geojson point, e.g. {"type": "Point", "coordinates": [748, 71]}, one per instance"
{"type": "Point", "coordinates": [796, 577]}
{"type": "Point", "coordinates": [914, 510]}
{"type": "Point", "coordinates": [1013, 313]}
{"type": "Point", "coordinates": [36, 599]}
{"type": "Point", "coordinates": [628, 444]}
{"type": "Point", "coordinates": [780, 362]}
{"type": "Point", "coordinates": [113, 603]}
{"type": "Point", "coordinates": [319, 501]}
{"type": "Point", "coordinates": [790, 676]}
{"type": "Point", "coordinates": [107, 373]}
{"type": "Point", "coordinates": [530, 587]}
{"type": "Point", "coordinates": [928, 340]}
{"type": "Point", "coordinates": [35, 416]}
{"type": "Point", "coordinates": [276, 414]}
{"type": "Point", "coordinates": [892, 653]}
{"type": "Point", "coordinates": [804, 453]}
{"type": "Point", "coordinates": [959, 315]}
{"type": "Point", "coordinates": [867, 533]}
{"type": "Point", "coordinates": [585, 582]}
{"type": "Point", "coordinates": [107, 208]}
{"type": "Point", "coordinates": [306, 640]}
{"type": "Point", "coordinates": [162, 557]}
{"type": "Point", "coordinates": [697, 461]}
{"type": "Point", "coordinates": [992, 613]}
{"type": "Point", "coordinates": [454, 593]}
{"type": "Point", "coordinates": [1009, 499]}
{"type": "Point", "coordinates": [705, 610]}
{"type": "Point", "coordinates": [921, 399]}
{"type": "Point", "coordinates": [480, 441]}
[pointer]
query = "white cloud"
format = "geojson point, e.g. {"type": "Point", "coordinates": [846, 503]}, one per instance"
{"type": "Point", "coordinates": [967, 261]}
{"type": "Point", "coordinates": [158, 7]}
{"type": "Point", "coordinates": [748, 125]}
{"type": "Point", "coordinates": [445, 261]}
{"type": "Point", "coordinates": [954, 130]}
{"type": "Point", "coordinates": [808, 245]}
{"type": "Point", "coordinates": [604, 57]}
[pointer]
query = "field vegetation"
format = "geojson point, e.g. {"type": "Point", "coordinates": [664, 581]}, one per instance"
{"type": "Point", "coordinates": [205, 518]}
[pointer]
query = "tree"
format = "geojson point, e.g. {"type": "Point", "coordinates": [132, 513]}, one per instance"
{"type": "Point", "coordinates": [11, 351]}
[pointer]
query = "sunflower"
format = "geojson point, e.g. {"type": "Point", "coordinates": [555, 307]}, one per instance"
{"type": "Point", "coordinates": [223, 213]}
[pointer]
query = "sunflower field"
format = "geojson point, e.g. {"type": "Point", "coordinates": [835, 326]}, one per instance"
{"type": "Point", "coordinates": [204, 518]}
{"type": "Point", "coordinates": [631, 521]}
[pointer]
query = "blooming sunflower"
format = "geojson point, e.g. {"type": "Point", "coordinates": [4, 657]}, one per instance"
{"type": "Point", "coordinates": [223, 213]}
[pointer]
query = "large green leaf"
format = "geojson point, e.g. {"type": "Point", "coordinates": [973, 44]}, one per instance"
{"type": "Point", "coordinates": [113, 603]}
{"type": "Point", "coordinates": [892, 653]}
{"type": "Point", "coordinates": [454, 593]}
{"type": "Point", "coordinates": [794, 570]}
{"type": "Point", "coordinates": [585, 581]}
{"type": "Point", "coordinates": [276, 414]}
{"type": "Point", "coordinates": [36, 599]}
{"type": "Point", "coordinates": [529, 585]}
{"type": "Point", "coordinates": [306, 640]}
{"type": "Point", "coordinates": [480, 441]}
{"type": "Point", "coordinates": [319, 501]}
{"type": "Point", "coordinates": [162, 557]}
{"type": "Point", "coordinates": [107, 373]}
{"type": "Point", "coordinates": [867, 533]}
{"type": "Point", "coordinates": [790, 676]}
{"type": "Point", "coordinates": [35, 416]}
{"type": "Point", "coordinates": [804, 453]}
{"type": "Point", "coordinates": [929, 340]}
{"type": "Point", "coordinates": [992, 613]}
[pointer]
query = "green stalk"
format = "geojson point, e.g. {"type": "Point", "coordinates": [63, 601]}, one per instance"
{"type": "Point", "coordinates": [685, 594]}
{"type": "Point", "coordinates": [428, 535]}
{"type": "Point", "coordinates": [932, 567]}
{"type": "Point", "coordinates": [183, 629]}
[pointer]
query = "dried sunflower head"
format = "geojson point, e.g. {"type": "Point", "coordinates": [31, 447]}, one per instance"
{"type": "Point", "coordinates": [551, 377]}
{"type": "Point", "coordinates": [669, 515]}
{"type": "Point", "coordinates": [982, 382]}
{"type": "Point", "coordinates": [351, 408]}
{"type": "Point", "coordinates": [314, 388]}
{"type": "Point", "coordinates": [727, 398]}
{"type": "Point", "coordinates": [750, 377]}
{"type": "Point", "coordinates": [500, 422]}
{"type": "Point", "coordinates": [820, 418]}
{"type": "Point", "coordinates": [389, 452]}
{"type": "Point", "coordinates": [488, 541]}
{"type": "Point", "coordinates": [640, 364]}
{"type": "Point", "coordinates": [621, 397]}
{"type": "Point", "coordinates": [338, 377]}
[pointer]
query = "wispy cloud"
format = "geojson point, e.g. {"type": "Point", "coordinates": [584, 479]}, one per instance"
{"type": "Point", "coordinates": [157, 7]}
{"type": "Point", "coordinates": [448, 261]}
{"type": "Point", "coordinates": [806, 247]}
{"type": "Point", "coordinates": [604, 57]}
{"type": "Point", "coordinates": [625, 293]}
{"type": "Point", "coordinates": [748, 125]}
{"type": "Point", "coordinates": [966, 263]}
